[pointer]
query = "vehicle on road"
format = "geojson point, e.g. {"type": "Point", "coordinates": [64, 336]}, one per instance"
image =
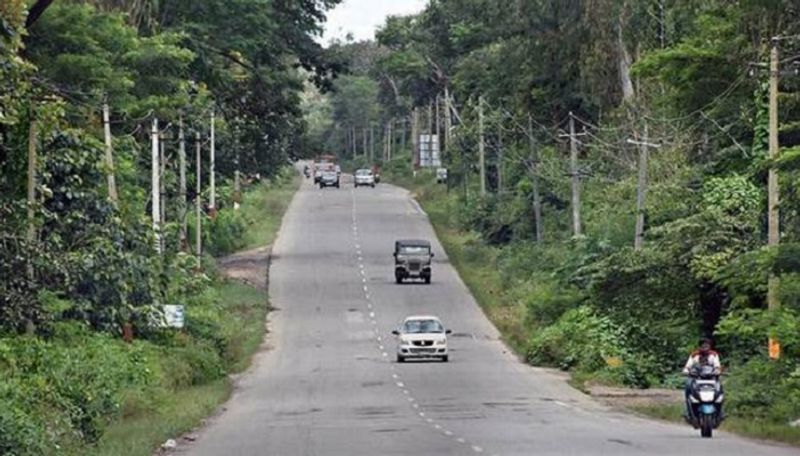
{"type": "Point", "coordinates": [420, 337]}
{"type": "Point", "coordinates": [705, 399]}
{"type": "Point", "coordinates": [329, 178]}
{"type": "Point", "coordinates": [412, 260]}
{"type": "Point", "coordinates": [364, 177]}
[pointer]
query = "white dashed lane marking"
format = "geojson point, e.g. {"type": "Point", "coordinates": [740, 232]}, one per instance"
{"type": "Point", "coordinates": [381, 348]}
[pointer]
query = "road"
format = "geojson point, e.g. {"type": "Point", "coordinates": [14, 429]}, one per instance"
{"type": "Point", "coordinates": [330, 385]}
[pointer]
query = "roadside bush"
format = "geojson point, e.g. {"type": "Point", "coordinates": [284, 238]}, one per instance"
{"type": "Point", "coordinates": [765, 389]}
{"type": "Point", "coordinates": [225, 233]}
{"type": "Point", "coordinates": [581, 339]}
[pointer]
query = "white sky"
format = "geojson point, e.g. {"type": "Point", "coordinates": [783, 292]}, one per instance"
{"type": "Point", "coordinates": [362, 17]}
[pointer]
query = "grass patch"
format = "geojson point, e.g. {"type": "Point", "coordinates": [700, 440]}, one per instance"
{"type": "Point", "coordinates": [263, 208]}
{"type": "Point", "coordinates": [174, 414]}
{"type": "Point", "coordinates": [757, 429]}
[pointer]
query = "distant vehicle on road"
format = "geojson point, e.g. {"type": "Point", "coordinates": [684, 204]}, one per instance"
{"type": "Point", "coordinates": [364, 177]}
{"type": "Point", "coordinates": [412, 260]}
{"type": "Point", "coordinates": [422, 336]}
{"type": "Point", "coordinates": [329, 178]}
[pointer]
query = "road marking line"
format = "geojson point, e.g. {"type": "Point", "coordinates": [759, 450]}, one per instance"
{"type": "Point", "coordinates": [461, 440]}
{"type": "Point", "coordinates": [380, 346]}
{"type": "Point", "coordinates": [429, 420]}
{"type": "Point", "coordinates": [400, 384]}
{"type": "Point", "coordinates": [385, 354]}
{"type": "Point", "coordinates": [406, 392]}
{"type": "Point", "coordinates": [561, 404]}
{"type": "Point", "coordinates": [422, 414]}
{"type": "Point", "coordinates": [448, 432]}
{"type": "Point", "coordinates": [477, 449]}
{"type": "Point", "coordinates": [372, 315]}
{"type": "Point", "coordinates": [416, 406]}
{"type": "Point", "coordinates": [438, 426]}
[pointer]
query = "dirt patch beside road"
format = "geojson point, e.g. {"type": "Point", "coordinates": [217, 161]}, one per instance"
{"type": "Point", "coordinates": [629, 398]}
{"type": "Point", "coordinates": [250, 267]}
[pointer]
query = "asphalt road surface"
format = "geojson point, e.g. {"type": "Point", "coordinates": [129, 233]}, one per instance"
{"type": "Point", "coordinates": [330, 384]}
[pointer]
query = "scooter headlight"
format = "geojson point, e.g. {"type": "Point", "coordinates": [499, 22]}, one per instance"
{"type": "Point", "coordinates": [707, 396]}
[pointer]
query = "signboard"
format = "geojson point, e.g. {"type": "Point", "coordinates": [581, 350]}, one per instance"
{"type": "Point", "coordinates": [174, 316]}
{"type": "Point", "coordinates": [429, 151]}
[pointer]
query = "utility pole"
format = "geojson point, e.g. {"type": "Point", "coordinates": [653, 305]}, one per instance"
{"type": "Point", "coordinates": [438, 121]}
{"type": "Point", "coordinates": [481, 147]}
{"type": "Point", "coordinates": [641, 187]}
{"type": "Point", "coordinates": [448, 123]}
{"type": "Point", "coordinates": [162, 193]}
{"type": "Point", "coordinates": [371, 142]}
{"type": "Point", "coordinates": [365, 137]}
{"type": "Point", "coordinates": [155, 194]}
{"type": "Point", "coordinates": [112, 184]}
{"type": "Point", "coordinates": [773, 214]}
{"type": "Point", "coordinates": [353, 136]}
{"type": "Point", "coordinates": [415, 139]}
{"type": "Point", "coordinates": [403, 122]}
{"type": "Point", "coordinates": [430, 132]}
{"type": "Point", "coordinates": [32, 166]}
{"type": "Point", "coordinates": [576, 181]}
{"type": "Point", "coordinates": [662, 24]}
{"type": "Point", "coordinates": [237, 179]}
{"type": "Point", "coordinates": [537, 201]}
{"type": "Point", "coordinates": [500, 157]}
{"type": "Point", "coordinates": [182, 183]}
{"type": "Point", "coordinates": [198, 200]}
{"type": "Point", "coordinates": [212, 198]}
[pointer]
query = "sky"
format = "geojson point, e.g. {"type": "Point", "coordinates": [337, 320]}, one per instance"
{"type": "Point", "coordinates": [362, 17]}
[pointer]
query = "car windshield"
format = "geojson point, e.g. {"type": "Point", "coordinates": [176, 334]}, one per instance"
{"type": "Point", "coordinates": [414, 250]}
{"type": "Point", "coordinates": [422, 327]}
{"type": "Point", "coordinates": [363, 172]}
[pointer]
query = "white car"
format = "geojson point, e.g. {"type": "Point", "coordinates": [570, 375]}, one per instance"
{"type": "Point", "coordinates": [364, 177]}
{"type": "Point", "coordinates": [422, 336]}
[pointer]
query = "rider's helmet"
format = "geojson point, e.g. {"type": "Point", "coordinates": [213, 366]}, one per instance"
{"type": "Point", "coordinates": [705, 345]}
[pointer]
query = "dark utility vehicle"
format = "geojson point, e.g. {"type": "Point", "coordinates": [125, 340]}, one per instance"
{"type": "Point", "coordinates": [412, 260]}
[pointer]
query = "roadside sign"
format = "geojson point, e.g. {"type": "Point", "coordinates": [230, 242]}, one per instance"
{"type": "Point", "coordinates": [174, 316]}
{"type": "Point", "coordinates": [429, 151]}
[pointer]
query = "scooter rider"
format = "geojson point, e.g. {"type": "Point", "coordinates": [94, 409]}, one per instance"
{"type": "Point", "coordinates": [704, 355]}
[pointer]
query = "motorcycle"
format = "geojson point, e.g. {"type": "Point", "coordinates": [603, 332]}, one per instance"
{"type": "Point", "coordinates": [307, 172]}
{"type": "Point", "coordinates": [705, 399]}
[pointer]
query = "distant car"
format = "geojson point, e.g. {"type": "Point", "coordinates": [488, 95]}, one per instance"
{"type": "Point", "coordinates": [422, 336]}
{"type": "Point", "coordinates": [329, 179]}
{"type": "Point", "coordinates": [364, 177]}
{"type": "Point", "coordinates": [412, 260]}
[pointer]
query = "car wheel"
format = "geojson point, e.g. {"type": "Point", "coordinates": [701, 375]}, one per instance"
{"type": "Point", "coordinates": [428, 280]}
{"type": "Point", "coordinates": [373, 185]}
{"type": "Point", "coordinates": [445, 358]}
{"type": "Point", "coordinates": [401, 359]}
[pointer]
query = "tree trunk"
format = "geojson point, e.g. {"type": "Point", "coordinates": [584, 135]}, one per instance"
{"type": "Point", "coordinates": [624, 64]}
